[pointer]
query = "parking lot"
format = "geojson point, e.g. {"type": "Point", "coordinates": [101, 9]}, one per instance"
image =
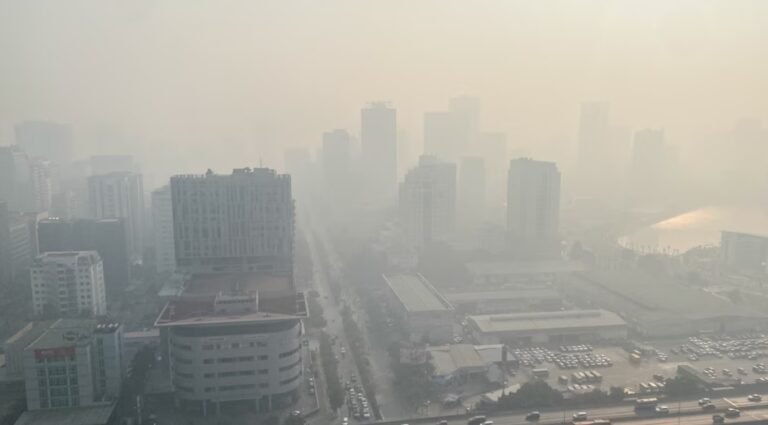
{"type": "Point", "coordinates": [725, 358]}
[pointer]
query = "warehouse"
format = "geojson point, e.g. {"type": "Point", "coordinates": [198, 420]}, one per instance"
{"type": "Point", "coordinates": [556, 327]}
{"type": "Point", "coordinates": [421, 309]}
{"type": "Point", "coordinates": [517, 300]}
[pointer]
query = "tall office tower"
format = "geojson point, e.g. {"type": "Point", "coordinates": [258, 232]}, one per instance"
{"type": "Point", "coordinates": [379, 150]}
{"type": "Point", "coordinates": [42, 139]}
{"type": "Point", "coordinates": [162, 220]}
{"type": "Point", "coordinates": [471, 193]}
{"type": "Point", "coordinates": [241, 222]}
{"type": "Point", "coordinates": [43, 184]}
{"type": "Point", "coordinates": [68, 283]}
{"type": "Point", "coordinates": [18, 186]}
{"type": "Point", "coordinates": [466, 110]}
{"type": "Point", "coordinates": [597, 152]}
{"type": "Point", "coordinates": [120, 195]}
{"type": "Point", "coordinates": [652, 161]}
{"type": "Point", "coordinates": [69, 363]}
{"type": "Point", "coordinates": [105, 164]}
{"type": "Point", "coordinates": [336, 159]}
{"type": "Point", "coordinates": [493, 149]}
{"type": "Point", "coordinates": [428, 201]}
{"type": "Point", "coordinates": [443, 136]}
{"type": "Point", "coordinates": [6, 273]}
{"type": "Point", "coordinates": [533, 209]}
{"type": "Point", "coordinates": [108, 237]}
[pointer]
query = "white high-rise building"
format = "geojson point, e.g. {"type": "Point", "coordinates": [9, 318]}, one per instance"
{"type": "Point", "coordinates": [428, 201]}
{"type": "Point", "coordinates": [162, 220]}
{"type": "Point", "coordinates": [533, 208]}
{"type": "Point", "coordinates": [242, 222]}
{"type": "Point", "coordinates": [68, 283]}
{"type": "Point", "coordinates": [120, 195]}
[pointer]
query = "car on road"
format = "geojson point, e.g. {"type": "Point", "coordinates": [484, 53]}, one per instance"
{"type": "Point", "coordinates": [718, 419]}
{"type": "Point", "coordinates": [704, 401]}
{"type": "Point", "coordinates": [732, 413]}
{"type": "Point", "coordinates": [708, 406]}
{"type": "Point", "coordinates": [755, 397]}
{"type": "Point", "coordinates": [443, 422]}
{"type": "Point", "coordinates": [662, 410]}
{"type": "Point", "coordinates": [533, 416]}
{"type": "Point", "coordinates": [580, 416]}
{"type": "Point", "coordinates": [477, 420]}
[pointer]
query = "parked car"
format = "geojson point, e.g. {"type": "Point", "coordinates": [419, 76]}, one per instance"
{"type": "Point", "coordinates": [755, 397]}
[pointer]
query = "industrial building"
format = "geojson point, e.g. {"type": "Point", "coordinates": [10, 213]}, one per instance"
{"type": "Point", "coordinates": [658, 306]}
{"type": "Point", "coordinates": [460, 363]}
{"type": "Point", "coordinates": [517, 273]}
{"type": "Point", "coordinates": [549, 327]}
{"type": "Point", "coordinates": [425, 313]}
{"type": "Point", "coordinates": [517, 300]}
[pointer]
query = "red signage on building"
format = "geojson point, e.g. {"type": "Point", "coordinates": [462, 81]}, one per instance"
{"type": "Point", "coordinates": [57, 352]}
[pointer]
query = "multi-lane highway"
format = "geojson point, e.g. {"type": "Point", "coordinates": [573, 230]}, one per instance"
{"type": "Point", "coordinates": [690, 412]}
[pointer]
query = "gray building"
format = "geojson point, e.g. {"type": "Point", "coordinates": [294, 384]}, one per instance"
{"type": "Point", "coordinates": [46, 139]}
{"type": "Point", "coordinates": [162, 226]}
{"type": "Point", "coordinates": [242, 222]}
{"type": "Point", "coordinates": [120, 195]}
{"type": "Point", "coordinates": [378, 134]}
{"type": "Point", "coordinates": [744, 252]}
{"type": "Point", "coordinates": [428, 202]}
{"type": "Point", "coordinates": [73, 363]}
{"type": "Point", "coordinates": [335, 159]}
{"type": "Point", "coordinates": [424, 312]}
{"type": "Point", "coordinates": [533, 209]}
{"type": "Point", "coordinates": [68, 283]}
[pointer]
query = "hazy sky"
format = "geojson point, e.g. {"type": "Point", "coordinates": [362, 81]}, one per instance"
{"type": "Point", "coordinates": [227, 82]}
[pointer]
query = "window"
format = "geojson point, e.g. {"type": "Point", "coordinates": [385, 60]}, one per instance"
{"type": "Point", "coordinates": [235, 345]}
{"type": "Point", "coordinates": [289, 380]}
{"type": "Point", "coordinates": [245, 359]}
{"type": "Point", "coordinates": [207, 361]}
{"type": "Point", "coordinates": [209, 375]}
{"type": "Point", "coordinates": [264, 385]}
{"type": "Point", "coordinates": [290, 353]}
{"type": "Point", "coordinates": [263, 357]}
{"type": "Point", "coordinates": [290, 366]}
{"type": "Point", "coordinates": [208, 347]}
{"type": "Point", "coordinates": [263, 371]}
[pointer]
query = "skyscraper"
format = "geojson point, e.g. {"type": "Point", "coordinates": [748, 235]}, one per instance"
{"type": "Point", "coordinates": [241, 222]}
{"type": "Point", "coordinates": [471, 193]}
{"type": "Point", "coordinates": [336, 158]}
{"type": "Point", "coordinates": [652, 161]}
{"type": "Point", "coordinates": [533, 209]}
{"type": "Point", "coordinates": [21, 182]}
{"type": "Point", "coordinates": [68, 283]}
{"type": "Point", "coordinates": [428, 201]}
{"type": "Point", "coordinates": [44, 139]}
{"type": "Point", "coordinates": [120, 195]}
{"type": "Point", "coordinates": [379, 149]}
{"type": "Point", "coordinates": [162, 221]}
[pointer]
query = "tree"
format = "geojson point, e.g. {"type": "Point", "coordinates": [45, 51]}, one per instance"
{"type": "Point", "coordinates": [531, 394]}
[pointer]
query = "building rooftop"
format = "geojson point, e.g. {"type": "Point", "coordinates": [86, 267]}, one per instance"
{"type": "Point", "coordinates": [640, 295]}
{"type": "Point", "coordinates": [511, 294]}
{"type": "Point", "coordinates": [447, 359]}
{"type": "Point", "coordinates": [277, 299]}
{"type": "Point", "coordinates": [519, 322]}
{"type": "Point", "coordinates": [416, 294]}
{"type": "Point", "coordinates": [93, 415]}
{"type": "Point", "coordinates": [524, 267]}
{"type": "Point", "coordinates": [65, 333]}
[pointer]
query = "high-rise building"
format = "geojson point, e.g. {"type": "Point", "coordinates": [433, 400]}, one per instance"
{"type": "Point", "coordinates": [378, 136]}
{"type": "Point", "coordinates": [452, 134]}
{"type": "Point", "coordinates": [108, 237]}
{"type": "Point", "coordinates": [105, 164]}
{"type": "Point", "coordinates": [120, 195]}
{"type": "Point", "coordinates": [43, 139]}
{"type": "Point", "coordinates": [466, 109]}
{"type": "Point", "coordinates": [428, 201]}
{"type": "Point", "coordinates": [652, 163]}
{"type": "Point", "coordinates": [471, 192]}
{"type": "Point", "coordinates": [69, 363]}
{"type": "Point", "coordinates": [6, 262]}
{"type": "Point", "coordinates": [19, 182]}
{"type": "Point", "coordinates": [243, 222]}
{"type": "Point", "coordinates": [533, 209]}
{"type": "Point", "coordinates": [162, 222]}
{"type": "Point", "coordinates": [336, 158]}
{"type": "Point", "coordinates": [68, 283]}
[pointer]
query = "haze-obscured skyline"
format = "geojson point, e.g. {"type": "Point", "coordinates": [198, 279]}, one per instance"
{"type": "Point", "coordinates": [206, 79]}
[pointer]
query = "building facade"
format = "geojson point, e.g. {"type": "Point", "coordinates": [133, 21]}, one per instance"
{"type": "Point", "coordinates": [68, 283]}
{"type": "Point", "coordinates": [73, 364]}
{"type": "Point", "coordinates": [423, 312]}
{"type": "Point", "coordinates": [378, 134]}
{"type": "Point", "coordinates": [108, 237]}
{"type": "Point", "coordinates": [533, 209]}
{"type": "Point", "coordinates": [120, 195]}
{"type": "Point", "coordinates": [428, 201]}
{"type": "Point", "coordinates": [243, 222]}
{"type": "Point", "coordinates": [162, 222]}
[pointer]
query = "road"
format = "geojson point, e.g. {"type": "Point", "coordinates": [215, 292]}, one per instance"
{"type": "Point", "coordinates": [689, 409]}
{"type": "Point", "coordinates": [331, 309]}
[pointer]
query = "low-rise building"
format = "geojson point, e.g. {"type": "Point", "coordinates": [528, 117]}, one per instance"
{"type": "Point", "coordinates": [234, 337]}
{"type": "Point", "coordinates": [516, 300]}
{"type": "Point", "coordinates": [426, 314]}
{"type": "Point", "coordinates": [460, 363]}
{"type": "Point", "coordinates": [549, 327]}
